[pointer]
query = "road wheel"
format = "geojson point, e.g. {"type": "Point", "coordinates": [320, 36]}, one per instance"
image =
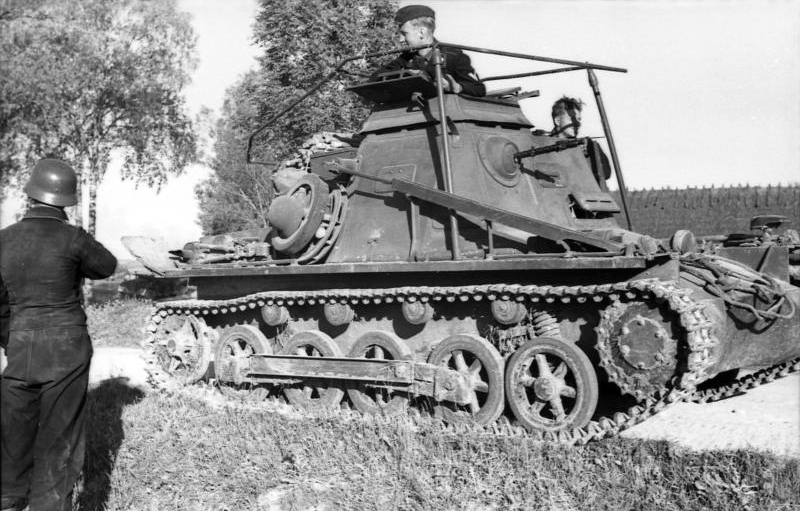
{"type": "Point", "coordinates": [482, 364]}
{"type": "Point", "coordinates": [319, 394]}
{"type": "Point", "coordinates": [551, 385]}
{"type": "Point", "coordinates": [235, 346]}
{"type": "Point", "coordinates": [372, 400]}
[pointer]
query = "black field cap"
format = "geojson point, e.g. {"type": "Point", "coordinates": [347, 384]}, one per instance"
{"type": "Point", "coordinates": [412, 12]}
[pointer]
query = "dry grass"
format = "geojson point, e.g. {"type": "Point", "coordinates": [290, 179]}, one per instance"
{"type": "Point", "coordinates": [179, 453]}
{"type": "Point", "coordinates": [119, 323]}
{"type": "Point", "coordinates": [158, 452]}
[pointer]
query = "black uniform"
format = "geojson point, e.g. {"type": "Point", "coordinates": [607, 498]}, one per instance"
{"type": "Point", "coordinates": [42, 263]}
{"type": "Point", "coordinates": [456, 64]}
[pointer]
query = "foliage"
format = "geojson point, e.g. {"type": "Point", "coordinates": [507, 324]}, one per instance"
{"type": "Point", "coordinates": [707, 211]}
{"type": "Point", "coordinates": [246, 459]}
{"type": "Point", "coordinates": [302, 42]}
{"type": "Point", "coordinates": [236, 195]}
{"type": "Point", "coordinates": [82, 78]}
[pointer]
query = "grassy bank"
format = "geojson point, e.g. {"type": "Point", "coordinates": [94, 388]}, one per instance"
{"type": "Point", "coordinates": [174, 452]}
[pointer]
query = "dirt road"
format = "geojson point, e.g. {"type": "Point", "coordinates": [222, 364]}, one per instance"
{"type": "Point", "coordinates": [766, 418]}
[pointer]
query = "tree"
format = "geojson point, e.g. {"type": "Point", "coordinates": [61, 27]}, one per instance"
{"type": "Point", "coordinates": [236, 195]}
{"type": "Point", "coordinates": [302, 41]}
{"type": "Point", "coordinates": [81, 79]}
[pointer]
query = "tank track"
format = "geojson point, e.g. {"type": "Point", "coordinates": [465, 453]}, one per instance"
{"type": "Point", "coordinates": [747, 382]}
{"type": "Point", "coordinates": [699, 330]}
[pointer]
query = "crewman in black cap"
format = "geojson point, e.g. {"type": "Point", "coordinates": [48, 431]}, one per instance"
{"type": "Point", "coordinates": [43, 260]}
{"type": "Point", "coordinates": [416, 24]}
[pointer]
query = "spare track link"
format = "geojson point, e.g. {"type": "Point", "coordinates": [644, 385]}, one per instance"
{"type": "Point", "coordinates": [700, 338]}
{"type": "Point", "coordinates": [747, 382]}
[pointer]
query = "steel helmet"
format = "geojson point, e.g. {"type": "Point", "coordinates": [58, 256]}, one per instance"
{"type": "Point", "coordinates": [53, 182]}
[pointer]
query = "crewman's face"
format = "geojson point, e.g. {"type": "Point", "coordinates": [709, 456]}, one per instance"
{"type": "Point", "coordinates": [412, 35]}
{"type": "Point", "coordinates": [568, 122]}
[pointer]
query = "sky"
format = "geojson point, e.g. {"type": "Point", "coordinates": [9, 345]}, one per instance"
{"type": "Point", "coordinates": [711, 96]}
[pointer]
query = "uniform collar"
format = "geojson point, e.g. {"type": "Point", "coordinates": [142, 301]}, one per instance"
{"type": "Point", "coordinates": [46, 212]}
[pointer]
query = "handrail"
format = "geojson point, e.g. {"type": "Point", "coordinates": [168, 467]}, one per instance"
{"type": "Point", "coordinates": [532, 73]}
{"type": "Point", "coordinates": [344, 62]}
{"type": "Point", "coordinates": [581, 65]}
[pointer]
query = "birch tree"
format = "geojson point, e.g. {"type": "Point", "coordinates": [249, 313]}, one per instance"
{"type": "Point", "coordinates": [83, 80]}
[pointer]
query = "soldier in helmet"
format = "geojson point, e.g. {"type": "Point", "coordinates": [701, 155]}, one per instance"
{"type": "Point", "coordinates": [43, 261]}
{"type": "Point", "coordinates": [416, 24]}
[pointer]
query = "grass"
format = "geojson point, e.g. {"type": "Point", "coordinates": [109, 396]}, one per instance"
{"type": "Point", "coordinates": [176, 452]}
{"type": "Point", "coordinates": [150, 451]}
{"type": "Point", "coordinates": [119, 323]}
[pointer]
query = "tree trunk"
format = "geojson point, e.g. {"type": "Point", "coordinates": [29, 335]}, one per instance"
{"type": "Point", "coordinates": [91, 225]}
{"type": "Point", "coordinates": [78, 209]}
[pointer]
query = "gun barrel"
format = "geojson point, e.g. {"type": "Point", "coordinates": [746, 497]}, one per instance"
{"type": "Point", "coordinates": [559, 145]}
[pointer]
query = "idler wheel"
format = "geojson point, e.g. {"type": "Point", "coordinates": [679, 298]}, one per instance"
{"type": "Point", "coordinates": [313, 343]}
{"type": "Point", "coordinates": [482, 364]}
{"type": "Point", "coordinates": [183, 350]}
{"type": "Point", "coordinates": [551, 385]}
{"type": "Point", "coordinates": [638, 347]}
{"type": "Point", "coordinates": [297, 214]}
{"type": "Point", "coordinates": [235, 346]}
{"type": "Point", "coordinates": [373, 400]}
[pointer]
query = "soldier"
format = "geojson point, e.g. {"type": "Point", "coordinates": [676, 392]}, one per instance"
{"type": "Point", "coordinates": [416, 24]}
{"type": "Point", "coordinates": [43, 261]}
{"type": "Point", "coordinates": [566, 115]}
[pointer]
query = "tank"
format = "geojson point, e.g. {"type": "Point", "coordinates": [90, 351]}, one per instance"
{"type": "Point", "coordinates": [447, 257]}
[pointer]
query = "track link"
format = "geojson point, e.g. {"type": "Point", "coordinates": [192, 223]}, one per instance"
{"type": "Point", "coordinates": [747, 382]}
{"type": "Point", "coordinates": [700, 339]}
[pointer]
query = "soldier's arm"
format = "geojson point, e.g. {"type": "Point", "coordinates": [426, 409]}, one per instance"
{"type": "Point", "coordinates": [96, 260]}
{"type": "Point", "coordinates": [464, 74]}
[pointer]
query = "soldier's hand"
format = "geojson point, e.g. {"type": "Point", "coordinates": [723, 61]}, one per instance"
{"type": "Point", "coordinates": [451, 85]}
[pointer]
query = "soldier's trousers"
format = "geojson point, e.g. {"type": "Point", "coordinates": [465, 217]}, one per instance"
{"type": "Point", "coordinates": [43, 392]}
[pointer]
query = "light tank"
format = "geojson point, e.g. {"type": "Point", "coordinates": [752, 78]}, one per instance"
{"type": "Point", "coordinates": [450, 258]}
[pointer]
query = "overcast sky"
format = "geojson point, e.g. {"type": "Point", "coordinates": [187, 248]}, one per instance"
{"type": "Point", "coordinates": [711, 96]}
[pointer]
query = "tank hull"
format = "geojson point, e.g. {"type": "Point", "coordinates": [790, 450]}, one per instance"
{"type": "Point", "coordinates": [517, 305]}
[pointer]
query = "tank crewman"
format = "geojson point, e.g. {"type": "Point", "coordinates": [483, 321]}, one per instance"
{"type": "Point", "coordinates": [566, 114]}
{"type": "Point", "coordinates": [416, 24]}
{"type": "Point", "coordinates": [43, 261]}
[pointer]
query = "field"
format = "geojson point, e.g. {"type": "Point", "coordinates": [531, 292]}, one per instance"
{"type": "Point", "coordinates": [185, 452]}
